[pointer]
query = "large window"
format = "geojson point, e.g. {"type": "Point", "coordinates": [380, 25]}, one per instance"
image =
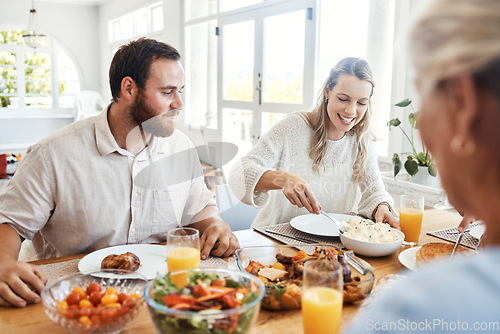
{"type": "Point", "coordinates": [250, 63]}
{"type": "Point", "coordinates": [146, 21]}
{"type": "Point", "coordinates": [365, 29]}
{"type": "Point", "coordinates": [41, 79]}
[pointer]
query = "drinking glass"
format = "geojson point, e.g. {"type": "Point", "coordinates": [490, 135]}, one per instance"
{"type": "Point", "coordinates": [411, 212]}
{"type": "Point", "coordinates": [183, 252]}
{"type": "Point", "coordinates": [322, 296]}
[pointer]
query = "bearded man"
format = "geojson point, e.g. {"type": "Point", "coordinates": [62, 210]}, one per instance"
{"type": "Point", "coordinates": [125, 176]}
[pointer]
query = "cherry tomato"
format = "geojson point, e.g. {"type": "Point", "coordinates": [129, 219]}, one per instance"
{"type": "Point", "coordinates": [73, 298]}
{"type": "Point", "coordinates": [71, 313]}
{"type": "Point", "coordinates": [85, 320]}
{"type": "Point", "coordinates": [93, 287]}
{"type": "Point", "coordinates": [219, 282]}
{"type": "Point", "coordinates": [121, 297]}
{"type": "Point", "coordinates": [85, 311]}
{"type": "Point", "coordinates": [200, 290]}
{"type": "Point", "coordinates": [79, 291]}
{"type": "Point", "coordinates": [62, 305]}
{"type": "Point", "coordinates": [108, 299]}
{"type": "Point", "coordinates": [98, 309]}
{"type": "Point", "coordinates": [108, 315]}
{"type": "Point", "coordinates": [129, 302]}
{"type": "Point", "coordinates": [85, 303]}
{"type": "Point", "coordinates": [95, 297]}
{"type": "Point", "coordinates": [122, 311]}
{"type": "Point", "coordinates": [95, 319]}
{"type": "Point", "coordinates": [110, 291]}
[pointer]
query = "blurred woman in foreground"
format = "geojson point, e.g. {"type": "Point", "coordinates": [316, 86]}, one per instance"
{"type": "Point", "coordinates": [455, 45]}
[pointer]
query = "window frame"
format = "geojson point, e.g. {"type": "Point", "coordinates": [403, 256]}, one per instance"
{"type": "Point", "coordinates": [272, 7]}
{"type": "Point", "coordinates": [23, 111]}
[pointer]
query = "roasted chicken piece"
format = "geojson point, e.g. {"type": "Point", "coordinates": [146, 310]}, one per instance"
{"type": "Point", "coordinates": [126, 261]}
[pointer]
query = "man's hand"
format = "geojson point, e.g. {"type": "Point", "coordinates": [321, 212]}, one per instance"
{"type": "Point", "coordinates": [216, 237]}
{"type": "Point", "coordinates": [218, 240]}
{"type": "Point", "coordinates": [20, 283]}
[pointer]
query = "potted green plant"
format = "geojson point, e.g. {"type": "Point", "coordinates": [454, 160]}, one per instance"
{"type": "Point", "coordinates": [414, 159]}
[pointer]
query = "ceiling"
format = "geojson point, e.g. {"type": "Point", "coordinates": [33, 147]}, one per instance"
{"type": "Point", "coordinates": [76, 2]}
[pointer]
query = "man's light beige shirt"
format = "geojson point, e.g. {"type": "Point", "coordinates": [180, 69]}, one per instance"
{"type": "Point", "coordinates": [82, 192]}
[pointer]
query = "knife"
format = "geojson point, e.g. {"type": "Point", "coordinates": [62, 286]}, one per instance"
{"type": "Point", "coordinates": [357, 263]}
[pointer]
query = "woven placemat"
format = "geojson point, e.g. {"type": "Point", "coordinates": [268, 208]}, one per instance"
{"type": "Point", "coordinates": [213, 262]}
{"type": "Point", "coordinates": [288, 229]}
{"type": "Point", "coordinates": [60, 269]}
{"type": "Point", "coordinates": [451, 234]}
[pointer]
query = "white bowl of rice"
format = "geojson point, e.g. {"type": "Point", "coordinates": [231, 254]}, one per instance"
{"type": "Point", "coordinates": [367, 238]}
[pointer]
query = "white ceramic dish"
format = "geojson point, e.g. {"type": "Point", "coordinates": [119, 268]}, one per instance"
{"type": "Point", "coordinates": [408, 257]}
{"type": "Point", "coordinates": [477, 231]}
{"type": "Point", "coordinates": [319, 224]}
{"type": "Point", "coordinates": [372, 248]}
{"type": "Point", "coordinates": [153, 259]}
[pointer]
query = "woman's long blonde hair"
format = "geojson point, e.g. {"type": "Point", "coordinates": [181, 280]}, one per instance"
{"type": "Point", "coordinates": [351, 66]}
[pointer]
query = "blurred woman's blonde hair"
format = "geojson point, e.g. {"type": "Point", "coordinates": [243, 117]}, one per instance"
{"type": "Point", "coordinates": [451, 37]}
{"type": "Point", "coordinates": [350, 66]}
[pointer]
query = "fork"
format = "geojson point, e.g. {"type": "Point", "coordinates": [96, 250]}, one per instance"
{"type": "Point", "coordinates": [457, 243]}
{"type": "Point", "coordinates": [340, 226]}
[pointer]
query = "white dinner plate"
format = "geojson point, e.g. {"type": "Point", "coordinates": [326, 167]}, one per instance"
{"type": "Point", "coordinates": [319, 224]}
{"type": "Point", "coordinates": [477, 231]}
{"type": "Point", "coordinates": [408, 258]}
{"type": "Point", "coordinates": [153, 259]}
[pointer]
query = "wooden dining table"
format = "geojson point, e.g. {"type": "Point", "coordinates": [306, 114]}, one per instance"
{"type": "Point", "coordinates": [32, 319]}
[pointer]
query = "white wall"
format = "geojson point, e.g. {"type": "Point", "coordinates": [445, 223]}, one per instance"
{"type": "Point", "coordinates": [116, 8]}
{"type": "Point", "coordinates": [76, 28]}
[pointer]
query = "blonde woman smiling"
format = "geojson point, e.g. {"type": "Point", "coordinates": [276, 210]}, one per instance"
{"type": "Point", "coordinates": [321, 159]}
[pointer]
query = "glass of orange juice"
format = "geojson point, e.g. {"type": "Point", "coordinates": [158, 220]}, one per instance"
{"type": "Point", "coordinates": [183, 252]}
{"type": "Point", "coordinates": [322, 297]}
{"type": "Point", "coordinates": [411, 212]}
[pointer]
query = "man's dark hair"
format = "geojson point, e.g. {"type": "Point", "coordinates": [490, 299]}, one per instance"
{"type": "Point", "coordinates": [134, 60]}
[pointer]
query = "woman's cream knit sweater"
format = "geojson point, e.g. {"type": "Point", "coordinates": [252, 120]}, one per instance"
{"type": "Point", "coordinates": [286, 147]}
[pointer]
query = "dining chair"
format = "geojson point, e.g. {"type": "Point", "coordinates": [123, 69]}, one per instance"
{"type": "Point", "coordinates": [88, 103]}
{"type": "Point", "coordinates": [237, 214]}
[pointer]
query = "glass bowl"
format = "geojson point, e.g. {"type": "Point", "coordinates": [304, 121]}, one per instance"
{"type": "Point", "coordinates": [109, 318]}
{"type": "Point", "coordinates": [286, 295]}
{"type": "Point", "coordinates": [236, 320]}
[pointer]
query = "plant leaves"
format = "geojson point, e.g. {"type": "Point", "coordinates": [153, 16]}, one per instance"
{"type": "Point", "coordinates": [412, 117]}
{"type": "Point", "coordinates": [404, 103]}
{"type": "Point", "coordinates": [397, 164]}
{"type": "Point", "coordinates": [393, 122]}
{"type": "Point", "coordinates": [423, 159]}
{"type": "Point", "coordinates": [411, 166]}
{"type": "Point", "coordinates": [432, 170]}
